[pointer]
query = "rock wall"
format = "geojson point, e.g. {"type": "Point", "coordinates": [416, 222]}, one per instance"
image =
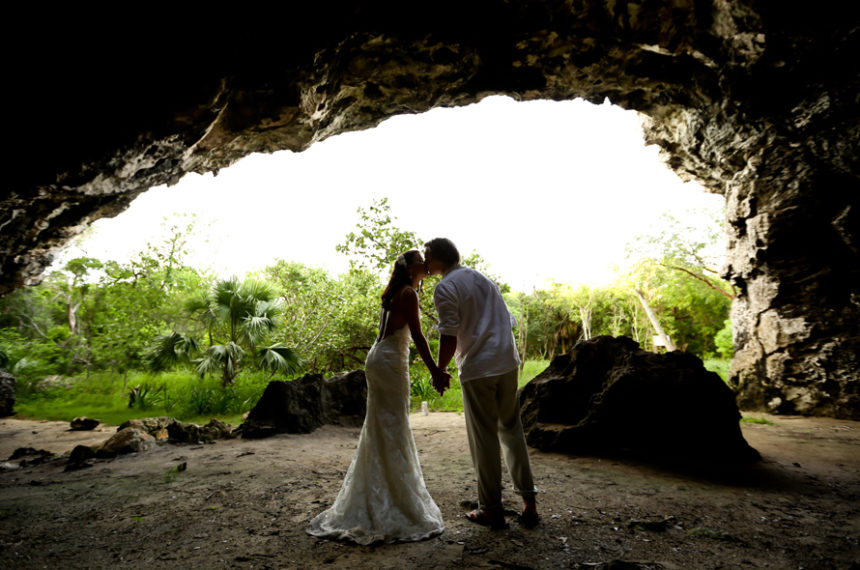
{"type": "Point", "coordinates": [756, 99]}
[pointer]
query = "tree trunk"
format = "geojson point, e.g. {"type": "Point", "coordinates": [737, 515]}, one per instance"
{"type": "Point", "coordinates": [585, 316]}
{"type": "Point", "coordinates": [670, 346]}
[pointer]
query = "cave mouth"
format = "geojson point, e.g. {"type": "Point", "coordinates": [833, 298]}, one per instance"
{"type": "Point", "coordinates": [540, 168]}
{"type": "Point", "coordinates": [756, 102]}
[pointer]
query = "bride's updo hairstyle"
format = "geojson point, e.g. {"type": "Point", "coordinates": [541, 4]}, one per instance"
{"type": "Point", "coordinates": [399, 276]}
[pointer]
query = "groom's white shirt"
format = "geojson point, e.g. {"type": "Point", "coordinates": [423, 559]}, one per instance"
{"type": "Point", "coordinates": [471, 307]}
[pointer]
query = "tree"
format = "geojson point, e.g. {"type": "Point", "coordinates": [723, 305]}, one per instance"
{"type": "Point", "coordinates": [723, 340]}
{"type": "Point", "coordinates": [690, 312]}
{"type": "Point", "coordinates": [144, 298]}
{"type": "Point", "coordinates": [377, 242]}
{"type": "Point", "coordinates": [694, 250]}
{"type": "Point", "coordinates": [240, 315]}
{"type": "Point", "coordinates": [675, 274]}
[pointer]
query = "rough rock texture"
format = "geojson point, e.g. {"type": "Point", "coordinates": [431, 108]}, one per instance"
{"type": "Point", "coordinates": [608, 396]}
{"type": "Point", "coordinates": [155, 426]}
{"type": "Point", "coordinates": [165, 428]}
{"type": "Point", "coordinates": [82, 456]}
{"type": "Point", "coordinates": [84, 424]}
{"type": "Point", "coordinates": [30, 456]}
{"type": "Point", "coordinates": [128, 440]}
{"type": "Point", "coordinates": [755, 98]}
{"type": "Point", "coordinates": [303, 405]}
{"type": "Point", "coordinates": [7, 394]}
{"type": "Point", "coordinates": [183, 432]}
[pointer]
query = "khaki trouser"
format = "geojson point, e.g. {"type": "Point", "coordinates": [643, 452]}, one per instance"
{"type": "Point", "coordinates": [493, 418]}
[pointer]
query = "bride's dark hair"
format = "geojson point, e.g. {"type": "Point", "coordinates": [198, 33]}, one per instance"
{"type": "Point", "coordinates": [399, 276]}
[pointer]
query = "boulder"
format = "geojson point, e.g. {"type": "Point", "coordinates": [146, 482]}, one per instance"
{"type": "Point", "coordinates": [7, 394]}
{"type": "Point", "coordinates": [30, 456]}
{"type": "Point", "coordinates": [184, 432]}
{"type": "Point", "coordinates": [607, 395]}
{"type": "Point", "coordinates": [80, 457]}
{"type": "Point", "coordinates": [154, 426]}
{"type": "Point", "coordinates": [216, 429]}
{"type": "Point", "coordinates": [164, 428]}
{"type": "Point", "coordinates": [83, 423]}
{"type": "Point", "coordinates": [304, 404]}
{"type": "Point", "coordinates": [128, 440]}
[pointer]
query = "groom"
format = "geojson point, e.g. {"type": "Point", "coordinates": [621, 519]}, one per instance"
{"type": "Point", "coordinates": [475, 326]}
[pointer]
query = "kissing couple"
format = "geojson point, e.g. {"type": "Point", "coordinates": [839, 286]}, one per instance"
{"type": "Point", "coordinates": [383, 497]}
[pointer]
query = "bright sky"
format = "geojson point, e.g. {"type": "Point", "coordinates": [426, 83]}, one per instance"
{"type": "Point", "coordinates": [542, 190]}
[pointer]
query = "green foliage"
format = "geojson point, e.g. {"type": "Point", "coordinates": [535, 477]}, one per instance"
{"type": "Point", "coordinates": [141, 397]}
{"type": "Point", "coordinates": [173, 471]}
{"type": "Point", "coordinates": [723, 340]}
{"type": "Point", "coordinates": [311, 304]}
{"type": "Point", "coordinates": [421, 385]}
{"type": "Point", "coordinates": [100, 315]}
{"type": "Point", "coordinates": [718, 365]}
{"type": "Point", "coordinates": [688, 247]}
{"type": "Point", "coordinates": [183, 395]}
{"type": "Point", "coordinates": [79, 341]}
{"type": "Point", "coordinates": [171, 349]}
{"type": "Point", "coordinates": [377, 242]}
{"type": "Point", "coordinates": [530, 369]}
{"type": "Point", "coordinates": [675, 269]}
{"type": "Point", "coordinates": [551, 321]}
{"type": "Point", "coordinates": [241, 314]}
{"type": "Point", "coordinates": [30, 360]}
{"type": "Point", "coordinates": [751, 420]}
{"type": "Point", "coordinates": [278, 358]}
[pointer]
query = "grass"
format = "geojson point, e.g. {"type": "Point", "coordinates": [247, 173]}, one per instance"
{"type": "Point", "coordinates": [531, 368]}
{"type": "Point", "coordinates": [421, 389]}
{"type": "Point", "coordinates": [452, 400]}
{"type": "Point", "coordinates": [751, 420]}
{"type": "Point", "coordinates": [182, 395]}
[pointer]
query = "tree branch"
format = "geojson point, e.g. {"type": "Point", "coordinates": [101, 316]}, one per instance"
{"type": "Point", "coordinates": [704, 280]}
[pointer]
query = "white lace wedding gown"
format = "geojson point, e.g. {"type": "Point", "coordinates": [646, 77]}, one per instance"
{"type": "Point", "coordinates": [383, 497]}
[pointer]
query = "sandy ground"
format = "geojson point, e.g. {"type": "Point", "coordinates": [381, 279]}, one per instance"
{"type": "Point", "coordinates": [245, 504]}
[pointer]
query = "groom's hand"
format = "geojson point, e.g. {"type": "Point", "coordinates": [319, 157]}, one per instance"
{"type": "Point", "coordinates": [441, 381]}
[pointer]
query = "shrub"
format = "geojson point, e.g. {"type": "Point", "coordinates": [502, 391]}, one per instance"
{"type": "Point", "coordinates": [723, 340]}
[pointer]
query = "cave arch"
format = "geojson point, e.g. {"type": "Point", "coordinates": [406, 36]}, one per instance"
{"type": "Point", "coordinates": [755, 100]}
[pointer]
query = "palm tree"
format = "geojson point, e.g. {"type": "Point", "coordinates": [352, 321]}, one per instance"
{"type": "Point", "coordinates": [243, 313]}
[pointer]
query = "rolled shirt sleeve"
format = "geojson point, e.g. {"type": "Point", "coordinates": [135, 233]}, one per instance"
{"type": "Point", "coordinates": [447, 310]}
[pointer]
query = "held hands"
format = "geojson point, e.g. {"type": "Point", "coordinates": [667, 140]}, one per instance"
{"type": "Point", "coordinates": [441, 380]}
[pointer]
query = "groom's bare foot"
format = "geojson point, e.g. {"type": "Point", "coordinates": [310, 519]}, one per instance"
{"type": "Point", "coordinates": [529, 518]}
{"type": "Point", "coordinates": [482, 517]}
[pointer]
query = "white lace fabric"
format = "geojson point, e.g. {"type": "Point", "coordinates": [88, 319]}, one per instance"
{"type": "Point", "coordinates": [383, 497]}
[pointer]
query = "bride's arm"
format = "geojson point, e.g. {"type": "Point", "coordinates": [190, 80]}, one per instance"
{"type": "Point", "coordinates": [409, 303]}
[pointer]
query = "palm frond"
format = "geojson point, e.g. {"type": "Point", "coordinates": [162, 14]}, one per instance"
{"type": "Point", "coordinates": [257, 290]}
{"type": "Point", "coordinates": [223, 358]}
{"type": "Point", "coordinates": [273, 308]}
{"type": "Point", "coordinates": [171, 349]}
{"type": "Point", "coordinates": [197, 304]}
{"type": "Point", "coordinates": [226, 291]}
{"type": "Point", "coordinates": [255, 327]}
{"type": "Point", "coordinates": [207, 364]}
{"type": "Point", "coordinates": [279, 358]}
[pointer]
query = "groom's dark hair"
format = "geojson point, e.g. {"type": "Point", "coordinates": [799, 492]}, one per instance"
{"type": "Point", "coordinates": [444, 250]}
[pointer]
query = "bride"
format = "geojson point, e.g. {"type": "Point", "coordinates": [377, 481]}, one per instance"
{"type": "Point", "coordinates": [383, 497]}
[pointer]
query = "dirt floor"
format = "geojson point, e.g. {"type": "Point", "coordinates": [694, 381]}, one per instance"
{"type": "Point", "coordinates": [245, 504]}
